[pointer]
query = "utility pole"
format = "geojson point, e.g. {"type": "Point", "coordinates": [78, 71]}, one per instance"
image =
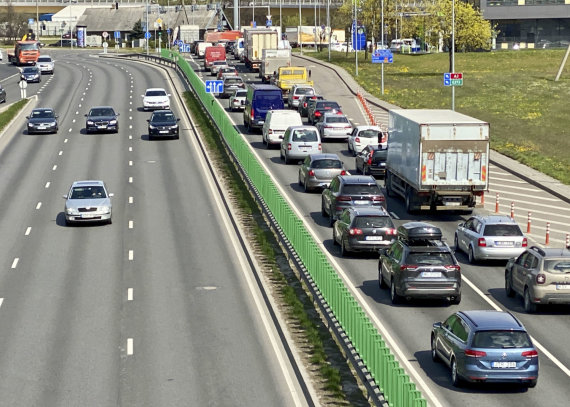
{"type": "Point", "coordinates": [453, 51]}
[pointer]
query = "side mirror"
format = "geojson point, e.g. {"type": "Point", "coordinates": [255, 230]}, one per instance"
{"type": "Point", "coordinates": [111, 195]}
{"type": "Point", "coordinates": [382, 251]}
{"type": "Point", "coordinates": [148, 120]}
{"type": "Point", "coordinates": [27, 117]}
{"type": "Point", "coordinates": [177, 120]}
{"type": "Point", "coordinates": [64, 196]}
{"type": "Point", "coordinates": [437, 325]}
{"type": "Point", "coordinates": [57, 116]}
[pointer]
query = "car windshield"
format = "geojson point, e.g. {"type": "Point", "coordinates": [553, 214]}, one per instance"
{"type": "Point", "coordinates": [304, 91]}
{"type": "Point", "coordinates": [557, 265]}
{"type": "Point", "coordinates": [369, 133]}
{"type": "Point", "coordinates": [233, 80]}
{"type": "Point", "coordinates": [336, 119]}
{"type": "Point", "coordinates": [430, 258]}
{"type": "Point", "coordinates": [327, 105]}
{"type": "Point", "coordinates": [502, 230]}
{"type": "Point", "coordinates": [155, 93]}
{"type": "Point", "coordinates": [103, 111]}
{"type": "Point", "coordinates": [328, 163]}
{"type": "Point", "coordinates": [29, 47]}
{"type": "Point", "coordinates": [30, 69]}
{"type": "Point", "coordinates": [305, 135]}
{"type": "Point", "coordinates": [372, 222]}
{"type": "Point", "coordinates": [88, 192]}
{"type": "Point", "coordinates": [501, 339]}
{"type": "Point", "coordinates": [44, 59]}
{"type": "Point", "coordinates": [267, 101]}
{"type": "Point", "coordinates": [380, 155]}
{"type": "Point", "coordinates": [356, 189]}
{"type": "Point", "coordinates": [36, 114]}
{"type": "Point", "coordinates": [241, 93]}
{"type": "Point", "coordinates": [163, 116]}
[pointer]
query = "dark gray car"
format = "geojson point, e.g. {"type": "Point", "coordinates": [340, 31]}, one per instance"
{"type": "Point", "coordinates": [102, 119]}
{"type": "Point", "coordinates": [318, 170]}
{"type": "Point", "coordinates": [42, 120]}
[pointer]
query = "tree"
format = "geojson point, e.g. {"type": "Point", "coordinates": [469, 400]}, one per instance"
{"type": "Point", "coordinates": [15, 24]}
{"type": "Point", "coordinates": [137, 32]}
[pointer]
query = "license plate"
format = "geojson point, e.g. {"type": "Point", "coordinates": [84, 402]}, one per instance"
{"type": "Point", "coordinates": [373, 237]}
{"type": "Point", "coordinates": [163, 131]}
{"type": "Point", "coordinates": [101, 127]}
{"type": "Point", "coordinates": [42, 127]}
{"type": "Point", "coordinates": [504, 243]}
{"type": "Point", "coordinates": [431, 274]}
{"type": "Point", "coordinates": [563, 286]}
{"type": "Point", "coordinates": [361, 202]}
{"type": "Point", "coordinates": [504, 365]}
{"type": "Point", "coordinates": [452, 203]}
{"type": "Point", "coordinates": [87, 216]}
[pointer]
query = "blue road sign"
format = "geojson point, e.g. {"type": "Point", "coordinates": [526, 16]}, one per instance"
{"type": "Point", "coordinates": [214, 86]}
{"type": "Point", "coordinates": [168, 31]}
{"type": "Point", "coordinates": [268, 23]}
{"type": "Point", "coordinates": [447, 79]}
{"type": "Point", "coordinates": [147, 35]}
{"type": "Point", "coordinates": [117, 35]}
{"type": "Point", "coordinates": [382, 56]}
{"type": "Point", "coordinates": [183, 47]}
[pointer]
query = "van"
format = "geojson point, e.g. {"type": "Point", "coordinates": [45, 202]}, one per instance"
{"type": "Point", "coordinates": [404, 45]}
{"type": "Point", "coordinates": [260, 99]}
{"type": "Point", "coordinates": [212, 54]}
{"type": "Point", "coordinates": [201, 48]}
{"type": "Point", "coordinates": [276, 122]}
{"type": "Point", "coordinates": [299, 142]}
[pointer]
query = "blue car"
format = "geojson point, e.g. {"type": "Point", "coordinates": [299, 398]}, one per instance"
{"type": "Point", "coordinates": [485, 346]}
{"type": "Point", "coordinates": [31, 74]}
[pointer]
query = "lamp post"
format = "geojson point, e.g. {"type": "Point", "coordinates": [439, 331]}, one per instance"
{"type": "Point", "coordinates": [382, 42]}
{"type": "Point", "coordinates": [281, 16]}
{"type": "Point", "coordinates": [453, 51]}
{"type": "Point", "coordinates": [70, 27]}
{"type": "Point", "coordinates": [299, 38]}
{"type": "Point", "coordinates": [146, 30]}
{"type": "Point", "coordinates": [329, 26]}
{"type": "Point", "coordinates": [37, 22]}
{"type": "Point", "coordinates": [355, 38]}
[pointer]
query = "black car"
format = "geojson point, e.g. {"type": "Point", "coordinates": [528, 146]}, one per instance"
{"type": "Point", "coordinates": [317, 111]}
{"type": "Point", "coordinates": [305, 101]}
{"type": "Point", "coordinates": [64, 43]}
{"type": "Point", "coordinates": [163, 123]}
{"type": "Point", "coordinates": [2, 94]}
{"type": "Point", "coordinates": [42, 120]}
{"type": "Point", "coordinates": [350, 190]}
{"type": "Point", "coordinates": [31, 74]}
{"type": "Point", "coordinates": [420, 265]}
{"type": "Point", "coordinates": [363, 229]}
{"type": "Point", "coordinates": [372, 161]}
{"type": "Point", "coordinates": [102, 119]}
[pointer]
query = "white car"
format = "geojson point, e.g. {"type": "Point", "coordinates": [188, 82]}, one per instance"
{"type": "Point", "coordinates": [156, 98]}
{"type": "Point", "coordinates": [237, 99]}
{"type": "Point", "coordinates": [46, 64]}
{"type": "Point", "coordinates": [363, 136]}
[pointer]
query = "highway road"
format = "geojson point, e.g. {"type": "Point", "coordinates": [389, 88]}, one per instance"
{"type": "Point", "coordinates": [408, 326]}
{"type": "Point", "coordinates": [157, 309]}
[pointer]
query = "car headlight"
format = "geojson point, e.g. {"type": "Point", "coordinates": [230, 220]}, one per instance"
{"type": "Point", "coordinates": [90, 122]}
{"type": "Point", "coordinates": [30, 124]}
{"type": "Point", "coordinates": [174, 126]}
{"type": "Point", "coordinates": [113, 122]}
{"type": "Point", "coordinates": [105, 209]}
{"type": "Point", "coordinates": [72, 211]}
{"type": "Point", "coordinates": [150, 126]}
{"type": "Point", "coordinates": [53, 124]}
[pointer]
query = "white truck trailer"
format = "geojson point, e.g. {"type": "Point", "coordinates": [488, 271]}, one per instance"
{"type": "Point", "coordinates": [437, 159]}
{"type": "Point", "coordinates": [189, 33]}
{"type": "Point", "coordinates": [271, 61]}
{"type": "Point", "coordinates": [255, 40]}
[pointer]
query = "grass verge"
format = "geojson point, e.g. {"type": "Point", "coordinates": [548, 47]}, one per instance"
{"type": "Point", "coordinates": [7, 115]}
{"type": "Point", "coordinates": [335, 383]}
{"type": "Point", "coordinates": [514, 91]}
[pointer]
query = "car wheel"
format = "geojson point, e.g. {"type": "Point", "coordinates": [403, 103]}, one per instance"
{"type": "Point", "coordinates": [331, 217]}
{"type": "Point", "coordinates": [335, 243]}
{"type": "Point", "coordinates": [300, 182]}
{"type": "Point", "coordinates": [357, 169]}
{"type": "Point", "coordinates": [529, 306]}
{"type": "Point", "coordinates": [394, 296]}
{"type": "Point", "coordinates": [247, 126]}
{"type": "Point", "coordinates": [306, 187]}
{"type": "Point", "coordinates": [455, 379]}
{"type": "Point", "coordinates": [471, 256]}
{"type": "Point", "coordinates": [455, 300]}
{"type": "Point", "coordinates": [509, 285]}
{"type": "Point", "coordinates": [381, 283]}
{"type": "Point", "coordinates": [343, 250]}
{"type": "Point", "coordinates": [287, 160]}
{"type": "Point", "coordinates": [350, 150]}
{"type": "Point", "coordinates": [434, 356]}
{"type": "Point", "coordinates": [456, 243]}
{"type": "Point", "coordinates": [323, 212]}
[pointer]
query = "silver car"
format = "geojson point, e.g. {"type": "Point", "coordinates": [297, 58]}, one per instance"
{"type": "Point", "coordinates": [334, 125]}
{"type": "Point", "coordinates": [237, 99]}
{"type": "Point", "coordinates": [298, 142]}
{"type": "Point", "coordinates": [297, 92]}
{"type": "Point", "coordinates": [46, 64]}
{"type": "Point", "coordinates": [493, 237]}
{"type": "Point", "coordinates": [318, 170]}
{"type": "Point", "coordinates": [88, 201]}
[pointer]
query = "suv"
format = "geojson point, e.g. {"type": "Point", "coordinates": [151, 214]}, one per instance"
{"type": "Point", "coordinates": [372, 160]}
{"type": "Point", "coordinates": [420, 265]}
{"type": "Point", "coordinates": [541, 276]}
{"type": "Point", "coordinates": [485, 346]}
{"type": "Point", "coordinates": [490, 237]}
{"type": "Point", "coordinates": [363, 229]}
{"type": "Point", "coordinates": [316, 111]}
{"type": "Point", "coordinates": [350, 190]}
{"type": "Point", "coordinates": [295, 94]}
{"type": "Point", "coordinates": [305, 101]}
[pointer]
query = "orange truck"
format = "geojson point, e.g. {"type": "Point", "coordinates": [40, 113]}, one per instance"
{"type": "Point", "coordinates": [24, 53]}
{"type": "Point", "coordinates": [222, 36]}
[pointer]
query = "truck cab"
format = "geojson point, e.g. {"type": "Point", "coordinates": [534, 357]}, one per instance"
{"type": "Point", "coordinates": [288, 76]}
{"type": "Point", "coordinates": [24, 53]}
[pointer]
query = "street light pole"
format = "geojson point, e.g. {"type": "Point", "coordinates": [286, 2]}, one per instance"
{"type": "Point", "coordinates": [452, 51]}
{"type": "Point", "coordinates": [37, 22]}
{"type": "Point", "coordinates": [70, 27]}
{"type": "Point", "coordinates": [146, 31]}
{"type": "Point", "coordinates": [382, 42]}
{"type": "Point", "coordinates": [299, 38]}
{"type": "Point", "coordinates": [329, 26]}
{"type": "Point", "coordinates": [355, 37]}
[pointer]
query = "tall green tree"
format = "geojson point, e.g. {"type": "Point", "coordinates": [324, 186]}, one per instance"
{"type": "Point", "coordinates": [137, 32]}
{"type": "Point", "coordinates": [14, 25]}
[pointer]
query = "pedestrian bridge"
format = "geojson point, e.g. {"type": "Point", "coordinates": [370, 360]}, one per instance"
{"type": "Point", "coordinates": [242, 3]}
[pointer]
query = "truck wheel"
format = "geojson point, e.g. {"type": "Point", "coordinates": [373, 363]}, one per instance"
{"type": "Point", "coordinates": [388, 184]}
{"type": "Point", "coordinates": [409, 205]}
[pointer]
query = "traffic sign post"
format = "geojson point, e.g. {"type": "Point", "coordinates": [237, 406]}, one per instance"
{"type": "Point", "coordinates": [382, 56]}
{"type": "Point", "coordinates": [453, 79]}
{"type": "Point", "coordinates": [23, 85]}
{"type": "Point", "coordinates": [214, 86]}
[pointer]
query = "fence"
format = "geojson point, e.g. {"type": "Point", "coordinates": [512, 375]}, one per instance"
{"type": "Point", "coordinates": [393, 382]}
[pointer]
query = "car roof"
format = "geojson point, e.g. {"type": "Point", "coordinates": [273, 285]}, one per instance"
{"type": "Point", "coordinates": [324, 156]}
{"type": "Point", "coordinates": [257, 86]}
{"type": "Point", "coordinates": [360, 128]}
{"type": "Point", "coordinates": [551, 251]}
{"type": "Point", "coordinates": [104, 107]}
{"type": "Point", "coordinates": [88, 183]}
{"type": "Point", "coordinates": [42, 109]}
{"type": "Point", "coordinates": [491, 219]}
{"type": "Point", "coordinates": [151, 89]}
{"type": "Point", "coordinates": [163, 111]}
{"type": "Point", "coordinates": [491, 319]}
{"type": "Point", "coordinates": [330, 114]}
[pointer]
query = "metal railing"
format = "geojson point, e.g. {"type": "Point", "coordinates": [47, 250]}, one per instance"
{"type": "Point", "coordinates": [386, 371]}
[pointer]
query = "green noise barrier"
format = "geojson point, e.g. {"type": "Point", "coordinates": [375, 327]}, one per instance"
{"type": "Point", "coordinates": [393, 382]}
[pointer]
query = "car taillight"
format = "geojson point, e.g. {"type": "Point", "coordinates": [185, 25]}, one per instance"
{"type": "Point", "coordinates": [311, 173]}
{"type": "Point", "coordinates": [338, 112]}
{"type": "Point", "coordinates": [540, 278]}
{"type": "Point", "coordinates": [343, 172]}
{"type": "Point", "coordinates": [475, 353]}
{"type": "Point", "coordinates": [317, 113]}
{"type": "Point", "coordinates": [269, 131]}
{"type": "Point", "coordinates": [295, 97]}
{"type": "Point", "coordinates": [383, 138]}
{"type": "Point", "coordinates": [354, 231]}
{"type": "Point", "coordinates": [357, 139]}
{"type": "Point", "coordinates": [252, 113]}
{"type": "Point", "coordinates": [529, 354]}
{"type": "Point", "coordinates": [404, 267]}
{"type": "Point", "coordinates": [343, 198]}
{"type": "Point", "coordinates": [369, 159]}
{"type": "Point", "coordinates": [378, 198]}
{"type": "Point", "coordinates": [391, 232]}
{"type": "Point", "coordinates": [289, 146]}
{"type": "Point", "coordinates": [456, 267]}
{"type": "Point", "coordinates": [524, 242]}
{"type": "Point", "coordinates": [304, 105]}
{"type": "Point", "coordinates": [320, 147]}
{"type": "Point", "coordinates": [481, 242]}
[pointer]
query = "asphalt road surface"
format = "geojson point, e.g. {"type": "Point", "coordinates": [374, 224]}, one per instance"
{"type": "Point", "coordinates": [157, 309]}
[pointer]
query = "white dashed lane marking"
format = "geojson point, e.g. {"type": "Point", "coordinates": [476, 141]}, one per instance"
{"type": "Point", "coordinates": [39, 205]}
{"type": "Point", "coordinates": [28, 231]}
{"type": "Point", "coordinates": [130, 348]}
{"type": "Point", "coordinates": [129, 294]}
{"type": "Point", "coordinates": [15, 262]}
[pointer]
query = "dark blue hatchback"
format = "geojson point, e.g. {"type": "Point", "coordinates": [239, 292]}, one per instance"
{"type": "Point", "coordinates": [485, 346]}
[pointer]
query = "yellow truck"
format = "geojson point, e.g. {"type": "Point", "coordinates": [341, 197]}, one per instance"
{"type": "Point", "coordinates": [288, 76]}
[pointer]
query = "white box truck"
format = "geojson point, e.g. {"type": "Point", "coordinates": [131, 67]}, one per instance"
{"type": "Point", "coordinates": [437, 159]}
{"type": "Point", "coordinates": [255, 40]}
{"type": "Point", "coordinates": [189, 33]}
{"type": "Point", "coordinates": [271, 61]}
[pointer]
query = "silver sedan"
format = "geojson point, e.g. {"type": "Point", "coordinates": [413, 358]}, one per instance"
{"type": "Point", "coordinates": [334, 125]}
{"type": "Point", "coordinates": [88, 201]}
{"type": "Point", "coordinates": [318, 170]}
{"type": "Point", "coordinates": [493, 237]}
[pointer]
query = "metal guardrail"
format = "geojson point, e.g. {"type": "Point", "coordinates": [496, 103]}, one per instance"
{"type": "Point", "coordinates": [257, 3]}
{"type": "Point", "coordinates": [390, 377]}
